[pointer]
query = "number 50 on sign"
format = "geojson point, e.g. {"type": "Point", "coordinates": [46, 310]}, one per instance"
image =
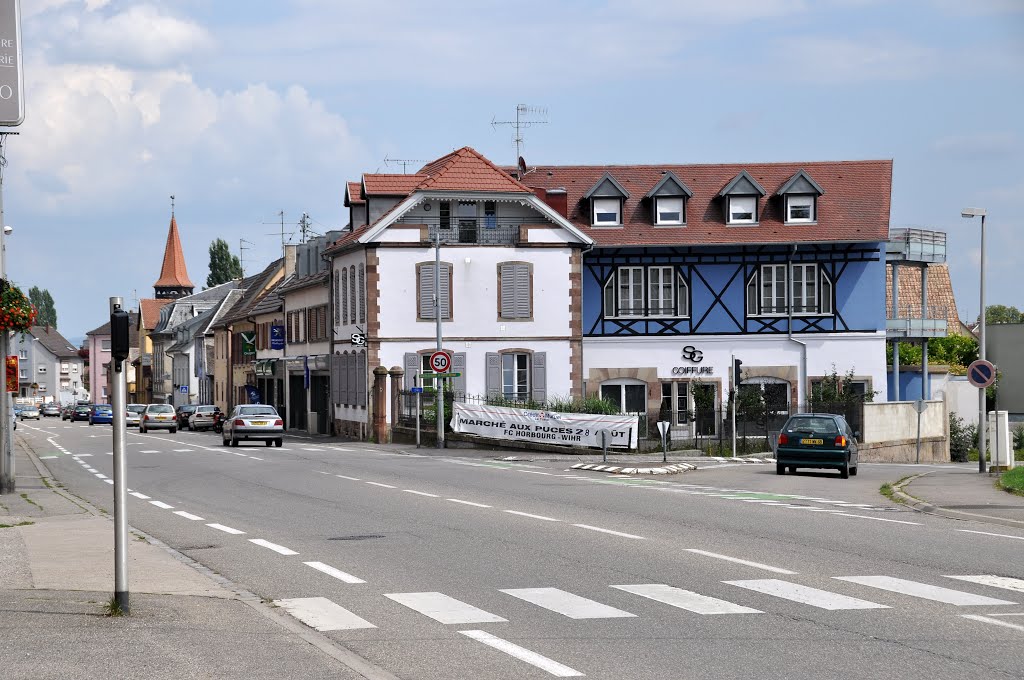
{"type": "Point", "coordinates": [440, 362]}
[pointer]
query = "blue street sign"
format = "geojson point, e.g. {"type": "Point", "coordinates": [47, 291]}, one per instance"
{"type": "Point", "coordinates": [981, 373]}
{"type": "Point", "coordinates": [416, 390]}
{"type": "Point", "coordinates": [184, 389]}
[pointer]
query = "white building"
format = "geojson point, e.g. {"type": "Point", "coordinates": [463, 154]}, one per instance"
{"type": "Point", "coordinates": [49, 367]}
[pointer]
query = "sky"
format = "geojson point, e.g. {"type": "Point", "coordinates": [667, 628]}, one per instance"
{"type": "Point", "coordinates": [243, 115]}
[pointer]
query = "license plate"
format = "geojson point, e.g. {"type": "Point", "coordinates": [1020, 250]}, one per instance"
{"type": "Point", "coordinates": [259, 422]}
{"type": "Point", "coordinates": [161, 417]}
{"type": "Point", "coordinates": [809, 442]}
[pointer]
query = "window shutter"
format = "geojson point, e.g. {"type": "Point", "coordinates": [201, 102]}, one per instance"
{"type": "Point", "coordinates": [362, 294]}
{"type": "Point", "coordinates": [350, 378]}
{"type": "Point", "coordinates": [412, 366]}
{"type": "Point", "coordinates": [446, 307]}
{"type": "Point", "coordinates": [522, 298]}
{"type": "Point", "coordinates": [539, 378]}
{"type": "Point", "coordinates": [335, 381]}
{"type": "Point", "coordinates": [459, 382]}
{"type": "Point", "coordinates": [426, 292]}
{"type": "Point", "coordinates": [344, 295]}
{"type": "Point", "coordinates": [508, 291]}
{"type": "Point", "coordinates": [493, 376]}
{"type": "Point", "coordinates": [352, 291]}
{"type": "Point", "coordinates": [346, 397]}
{"type": "Point", "coordinates": [361, 379]}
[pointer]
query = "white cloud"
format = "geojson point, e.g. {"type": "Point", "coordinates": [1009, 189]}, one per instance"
{"type": "Point", "coordinates": [843, 60]}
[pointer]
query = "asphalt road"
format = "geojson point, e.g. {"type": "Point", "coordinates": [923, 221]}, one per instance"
{"type": "Point", "coordinates": [433, 566]}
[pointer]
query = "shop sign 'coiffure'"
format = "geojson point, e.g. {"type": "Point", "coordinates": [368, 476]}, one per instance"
{"type": "Point", "coordinates": [12, 106]}
{"type": "Point", "coordinates": [694, 356]}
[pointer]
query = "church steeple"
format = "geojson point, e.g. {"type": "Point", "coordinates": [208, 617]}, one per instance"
{"type": "Point", "coordinates": [173, 282]}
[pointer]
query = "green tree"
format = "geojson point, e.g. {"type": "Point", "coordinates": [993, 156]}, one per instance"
{"type": "Point", "coordinates": [224, 266]}
{"type": "Point", "coordinates": [955, 351]}
{"type": "Point", "coordinates": [1003, 314]}
{"type": "Point", "coordinates": [43, 302]}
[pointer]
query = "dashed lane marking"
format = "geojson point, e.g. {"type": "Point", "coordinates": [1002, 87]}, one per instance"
{"type": "Point", "coordinates": [736, 560]}
{"type": "Point", "coordinates": [188, 515]}
{"type": "Point", "coordinates": [336, 573]}
{"type": "Point", "coordinates": [533, 658]}
{"type": "Point", "coordinates": [161, 504]}
{"type": "Point", "coordinates": [273, 546]}
{"type": "Point", "coordinates": [227, 530]}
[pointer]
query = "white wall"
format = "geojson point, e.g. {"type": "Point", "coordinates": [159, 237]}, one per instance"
{"type": "Point", "coordinates": [962, 398]}
{"type": "Point", "coordinates": [896, 420]}
{"type": "Point", "coordinates": [308, 297]}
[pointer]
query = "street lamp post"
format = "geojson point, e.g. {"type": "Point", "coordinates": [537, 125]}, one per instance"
{"type": "Point", "coordinates": [982, 410]}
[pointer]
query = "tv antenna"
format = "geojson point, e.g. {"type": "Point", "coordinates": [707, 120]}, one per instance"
{"type": "Point", "coordinates": [404, 162]}
{"type": "Point", "coordinates": [280, 213]}
{"type": "Point", "coordinates": [241, 253]}
{"type": "Point", "coordinates": [526, 117]}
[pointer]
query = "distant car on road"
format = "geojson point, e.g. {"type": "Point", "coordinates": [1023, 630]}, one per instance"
{"type": "Point", "coordinates": [29, 412]}
{"type": "Point", "coordinates": [67, 411]}
{"type": "Point", "coordinates": [101, 413]}
{"type": "Point", "coordinates": [81, 413]}
{"type": "Point", "coordinates": [202, 418]}
{"type": "Point", "coordinates": [51, 410]}
{"type": "Point", "coordinates": [158, 416]}
{"type": "Point", "coordinates": [817, 440]}
{"type": "Point", "coordinates": [133, 414]}
{"type": "Point", "coordinates": [182, 413]}
{"type": "Point", "coordinates": [253, 422]}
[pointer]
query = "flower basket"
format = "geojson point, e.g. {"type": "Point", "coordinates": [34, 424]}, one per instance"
{"type": "Point", "coordinates": [16, 312]}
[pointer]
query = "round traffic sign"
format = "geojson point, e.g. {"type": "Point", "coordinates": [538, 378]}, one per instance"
{"type": "Point", "coordinates": [440, 361]}
{"type": "Point", "coordinates": [981, 373]}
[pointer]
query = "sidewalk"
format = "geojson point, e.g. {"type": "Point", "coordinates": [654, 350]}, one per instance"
{"type": "Point", "coordinates": [963, 493]}
{"type": "Point", "coordinates": [57, 575]}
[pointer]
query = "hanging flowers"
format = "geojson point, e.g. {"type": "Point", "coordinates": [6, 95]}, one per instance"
{"type": "Point", "coordinates": [16, 312]}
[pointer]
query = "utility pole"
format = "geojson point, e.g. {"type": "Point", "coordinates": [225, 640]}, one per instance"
{"type": "Point", "coordinates": [304, 227]}
{"type": "Point", "coordinates": [7, 484]}
{"type": "Point", "coordinates": [439, 382]}
{"type": "Point", "coordinates": [119, 351]}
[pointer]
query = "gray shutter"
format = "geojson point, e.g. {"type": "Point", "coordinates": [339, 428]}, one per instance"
{"type": "Point", "coordinates": [522, 298]}
{"type": "Point", "coordinates": [343, 378]}
{"type": "Point", "coordinates": [350, 378]}
{"type": "Point", "coordinates": [362, 294]}
{"type": "Point", "coordinates": [493, 376]}
{"type": "Point", "coordinates": [540, 376]}
{"type": "Point", "coordinates": [446, 307]}
{"type": "Point", "coordinates": [412, 366]}
{"type": "Point", "coordinates": [335, 383]}
{"type": "Point", "coordinates": [508, 291]}
{"type": "Point", "coordinates": [459, 383]}
{"type": "Point", "coordinates": [361, 379]}
{"type": "Point", "coordinates": [426, 291]}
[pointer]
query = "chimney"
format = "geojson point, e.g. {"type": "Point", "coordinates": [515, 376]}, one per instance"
{"type": "Point", "coordinates": [289, 259]}
{"type": "Point", "coordinates": [558, 199]}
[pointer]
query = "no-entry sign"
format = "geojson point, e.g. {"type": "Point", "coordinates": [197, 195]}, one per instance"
{"type": "Point", "coordinates": [981, 373]}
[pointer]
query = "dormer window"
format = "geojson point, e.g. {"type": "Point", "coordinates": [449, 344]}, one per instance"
{"type": "Point", "coordinates": [741, 197]}
{"type": "Point", "coordinates": [800, 194]}
{"type": "Point", "coordinates": [606, 201]}
{"type": "Point", "coordinates": [668, 201]}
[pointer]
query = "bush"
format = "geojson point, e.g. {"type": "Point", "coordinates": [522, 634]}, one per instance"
{"type": "Point", "coordinates": [962, 438]}
{"type": "Point", "coordinates": [1018, 437]}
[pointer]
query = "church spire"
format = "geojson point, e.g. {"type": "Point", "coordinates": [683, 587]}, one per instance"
{"type": "Point", "coordinates": [173, 281]}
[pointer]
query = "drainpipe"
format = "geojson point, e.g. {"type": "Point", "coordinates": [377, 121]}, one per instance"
{"type": "Point", "coordinates": [802, 370]}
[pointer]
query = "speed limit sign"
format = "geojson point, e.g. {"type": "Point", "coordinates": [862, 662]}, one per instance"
{"type": "Point", "coordinates": [440, 361]}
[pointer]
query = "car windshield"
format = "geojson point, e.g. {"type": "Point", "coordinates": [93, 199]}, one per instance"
{"type": "Point", "coordinates": [812, 425]}
{"type": "Point", "coordinates": [161, 408]}
{"type": "Point", "coordinates": [257, 411]}
{"type": "Point", "coordinates": [188, 408]}
{"type": "Point", "coordinates": [206, 409]}
{"type": "Point", "coordinates": [102, 407]}
{"type": "Point", "coordinates": [136, 408]}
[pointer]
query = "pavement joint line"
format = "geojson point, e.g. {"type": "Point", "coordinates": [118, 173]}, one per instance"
{"type": "Point", "coordinates": [737, 560]}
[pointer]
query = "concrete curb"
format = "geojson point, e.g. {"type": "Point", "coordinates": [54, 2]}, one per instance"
{"type": "Point", "coordinates": [613, 469]}
{"type": "Point", "coordinates": [930, 509]}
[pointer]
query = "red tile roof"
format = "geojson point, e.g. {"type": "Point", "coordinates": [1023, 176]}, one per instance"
{"type": "Point", "coordinates": [391, 185]}
{"type": "Point", "coordinates": [940, 294]}
{"type": "Point", "coordinates": [173, 271]}
{"type": "Point", "coordinates": [353, 194]}
{"type": "Point", "coordinates": [855, 206]}
{"type": "Point", "coordinates": [466, 169]}
{"type": "Point", "coordinates": [149, 310]}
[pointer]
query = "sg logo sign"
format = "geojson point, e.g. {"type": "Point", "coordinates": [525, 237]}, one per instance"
{"type": "Point", "coordinates": [691, 353]}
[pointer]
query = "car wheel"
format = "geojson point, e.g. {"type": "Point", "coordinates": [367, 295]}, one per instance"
{"type": "Point", "coordinates": [173, 430]}
{"type": "Point", "coordinates": [780, 469]}
{"type": "Point", "coordinates": [853, 471]}
{"type": "Point", "coordinates": [844, 472]}
{"type": "Point", "coordinates": [270, 442]}
{"type": "Point", "coordinates": [234, 441]}
{"type": "Point", "coordinates": [223, 442]}
{"type": "Point", "coordinates": [278, 442]}
{"type": "Point", "coordinates": [792, 469]}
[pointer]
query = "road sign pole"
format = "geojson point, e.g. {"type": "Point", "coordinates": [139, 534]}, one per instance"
{"type": "Point", "coordinates": [418, 402]}
{"type": "Point", "coordinates": [120, 467]}
{"type": "Point", "coordinates": [438, 382]}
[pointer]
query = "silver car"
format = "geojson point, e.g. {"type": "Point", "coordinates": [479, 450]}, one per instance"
{"type": "Point", "coordinates": [133, 414]}
{"type": "Point", "coordinates": [253, 422]}
{"type": "Point", "coordinates": [29, 412]}
{"type": "Point", "coordinates": [158, 416]}
{"type": "Point", "coordinates": [202, 418]}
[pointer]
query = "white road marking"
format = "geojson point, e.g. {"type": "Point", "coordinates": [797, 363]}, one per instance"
{"type": "Point", "coordinates": [354, 479]}
{"type": "Point", "coordinates": [386, 486]}
{"type": "Point", "coordinates": [533, 658]}
{"type": "Point", "coordinates": [101, 475]}
{"type": "Point", "coordinates": [322, 614]}
{"type": "Point", "coordinates": [476, 505]}
{"type": "Point", "coordinates": [255, 458]}
{"type": "Point", "coordinates": [608, 531]}
{"type": "Point", "coordinates": [877, 519]}
{"type": "Point", "coordinates": [443, 608]}
{"type": "Point", "coordinates": [280, 448]}
{"type": "Point", "coordinates": [83, 455]}
{"type": "Point", "coordinates": [312, 449]}
{"type": "Point", "coordinates": [922, 590]}
{"type": "Point", "coordinates": [994, 622]}
{"type": "Point", "coordinates": [161, 504]}
{"type": "Point", "coordinates": [338, 448]}
{"type": "Point", "coordinates": [822, 599]}
{"type": "Point", "coordinates": [1004, 582]}
{"type": "Point", "coordinates": [188, 515]}
{"type": "Point", "coordinates": [526, 514]}
{"type": "Point", "coordinates": [567, 604]}
{"type": "Point", "coordinates": [737, 560]}
{"type": "Point", "coordinates": [221, 527]}
{"type": "Point", "coordinates": [139, 495]}
{"type": "Point", "coordinates": [685, 599]}
{"type": "Point", "coordinates": [534, 472]}
{"type": "Point", "coordinates": [109, 481]}
{"type": "Point", "coordinates": [986, 533]}
{"type": "Point", "coordinates": [336, 573]}
{"type": "Point", "coordinates": [273, 546]}
{"type": "Point", "coordinates": [90, 469]}
{"type": "Point", "coordinates": [47, 457]}
{"type": "Point", "coordinates": [235, 453]}
{"type": "Point", "coordinates": [149, 451]}
{"type": "Point", "coordinates": [421, 493]}
{"type": "Point", "coordinates": [183, 450]}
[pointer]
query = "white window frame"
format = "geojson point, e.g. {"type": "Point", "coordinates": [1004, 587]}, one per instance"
{"type": "Point", "coordinates": [519, 388]}
{"type": "Point", "coordinates": [677, 307]}
{"type": "Point", "coordinates": [824, 293]}
{"type": "Point", "coordinates": [635, 281]}
{"type": "Point", "coordinates": [804, 279]}
{"type": "Point", "coordinates": [607, 206]}
{"type": "Point", "coordinates": [768, 295]}
{"type": "Point", "coordinates": [805, 200]}
{"type": "Point", "coordinates": [753, 210]}
{"type": "Point", "coordinates": [670, 207]}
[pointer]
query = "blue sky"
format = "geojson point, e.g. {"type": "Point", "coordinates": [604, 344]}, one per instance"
{"type": "Point", "coordinates": [242, 114]}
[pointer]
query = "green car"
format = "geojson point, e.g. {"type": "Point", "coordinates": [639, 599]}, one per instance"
{"type": "Point", "coordinates": [817, 440]}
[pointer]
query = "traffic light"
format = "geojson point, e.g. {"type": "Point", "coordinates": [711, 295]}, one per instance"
{"type": "Point", "coordinates": [119, 346]}
{"type": "Point", "coordinates": [736, 366]}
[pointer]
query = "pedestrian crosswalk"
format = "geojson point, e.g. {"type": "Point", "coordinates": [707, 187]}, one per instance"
{"type": "Point", "coordinates": [324, 614]}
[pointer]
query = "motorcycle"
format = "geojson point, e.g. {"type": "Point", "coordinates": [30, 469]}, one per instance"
{"type": "Point", "coordinates": [218, 421]}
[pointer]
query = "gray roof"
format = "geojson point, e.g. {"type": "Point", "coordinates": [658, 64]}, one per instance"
{"type": "Point", "coordinates": [743, 185]}
{"type": "Point", "coordinates": [608, 187]}
{"type": "Point", "coordinates": [293, 283]}
{"type": "Point", "coordinates": [800, 183]}
{"type": "Point", "coordinates": [272, 301]}
{"type": "Point", "coordinates": [669, 185]}
{"type": "Point", "coordinates": [56, 343]}
{"type": "Point", "coordinates": [189, 307]}
{"type": "Point", "coordinates": [133, 328]}
{"type": "Point", "coordinates": [254, 286]}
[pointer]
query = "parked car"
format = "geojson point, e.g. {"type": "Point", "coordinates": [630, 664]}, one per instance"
{"type": "Point", "coordinates": [51, 410]}
{"type": "Point", "coordinates": [182, 413]}
{"type": "Point", "coordinates": [28, 412]}
{"type": "Point", "coordinates": [817, 440]}
{"type": "Point", "coordinates": [133, 414]}
{"type": "Point", "coordinates": [157, 417]}
{"type": "Point", "coordinates": [67, 411]}
{"type": "Point", "coordinates": [81, 413]}
{"type": "Point", "coordinates": [202, 417]}
{"type": "Point", "coordinates": [101, 413]}
{"type": "Point", "coordinates": [253, 422]}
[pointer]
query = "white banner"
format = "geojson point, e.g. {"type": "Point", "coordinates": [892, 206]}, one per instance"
{"type": "Point", "coordinates": [567, 429]}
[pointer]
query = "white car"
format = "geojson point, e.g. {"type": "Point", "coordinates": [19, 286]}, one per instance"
{"type": "Point", "coordinates": [158, 417]}
{"type": "Point", "coordinates": [29, 412]}
{"type": "Point", "coordinates": [133, 414]}
{"type": "Point", "coordinates": [202, 418]}
{"type": "Point", "coordinates": [253, 422]}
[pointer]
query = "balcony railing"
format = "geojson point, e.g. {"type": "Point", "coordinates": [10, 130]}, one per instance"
{"type": "Point", "coordinates": [914, 321]}
{"type": "Point", "coordinates": [916, 245]}
{"type": "Point", "coordinates": [490, 231]}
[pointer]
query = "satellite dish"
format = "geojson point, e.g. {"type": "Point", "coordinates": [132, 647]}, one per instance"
{"type": "Point", "coordinates": [522, 166]}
